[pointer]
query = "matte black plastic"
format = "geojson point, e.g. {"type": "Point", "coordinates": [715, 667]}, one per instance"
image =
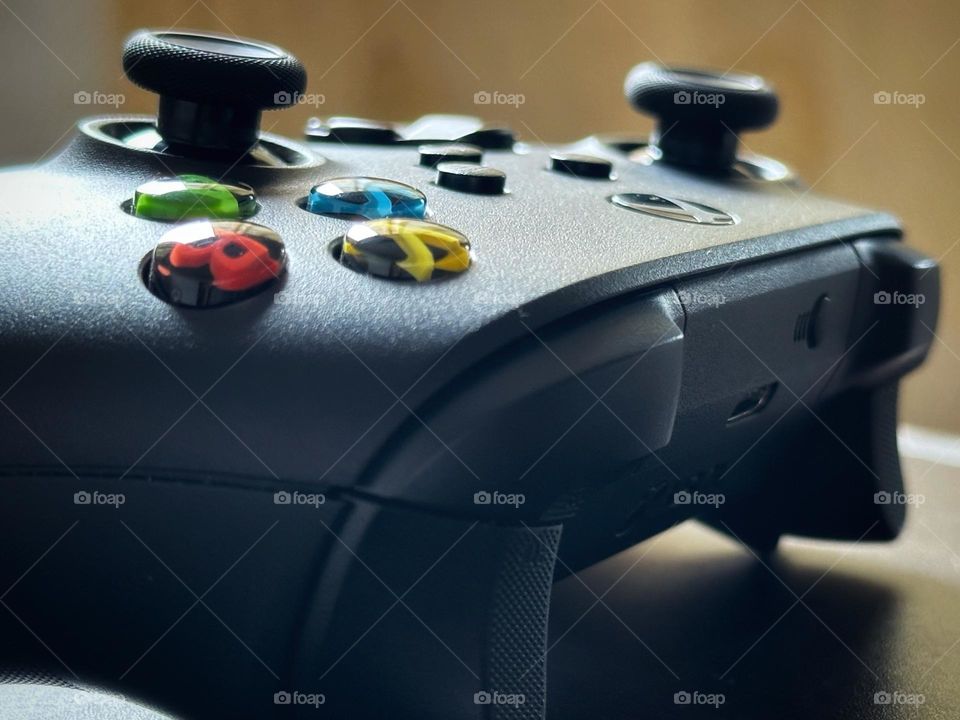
{"type": "Point", "coordinates": [700, 113]}
{"type": "Point", "coordinates": [583, 373]}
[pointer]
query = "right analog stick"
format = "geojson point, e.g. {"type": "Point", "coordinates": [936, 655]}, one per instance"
{"type": "Point", "coordinates": [700, 113]}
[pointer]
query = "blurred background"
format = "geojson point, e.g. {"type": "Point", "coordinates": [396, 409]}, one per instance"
{"type": "Point", "coordinates": [563, 61]}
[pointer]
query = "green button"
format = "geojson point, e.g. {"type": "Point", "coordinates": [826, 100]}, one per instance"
{"type": "Point", "coordinates": [193, 196]}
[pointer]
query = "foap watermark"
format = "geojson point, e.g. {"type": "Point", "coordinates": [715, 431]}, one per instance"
{"type": "Point", "coordinates": [710, 298]}
{"type": "Point", "coordinates": [95, 97]}
{"type": "Point", "coordinates": [495, 697]}
{"type": "Point", "coordinates": [495, 97]}
{"type": "Point", "coordinates": [296, 497]}
{"type": "Point", "coordinates": [695, 697]}
{"type": "Point", "coordinates": [495, 497]}
{"type": "Point", "coordinates": [298, 98]}
{"type": "Point", "coordinates": [295, 697]}
{"type": "Point", "coordinates": [884, 297]}
{"type": "Point", "coordinates": [82, 297]}
{"type": "Point", "coordinates": [95, 497]}
{"type": "Point", "coordinates": [685, 497]}
{"type": "Point", "coordinates": [685, 97]}
{"type": "Point", "coordinates": [493, 298]}
{"type": "Point", "coordinates": [887, 97]}
{"type": "Point", "coordinates": [299, 299]}
{"type": "Point", "coordinates": [897, 697]}
{"type": "Point", "coordinates": [95, 699]}
{"type": "Point", "coordinates": [896, 497]}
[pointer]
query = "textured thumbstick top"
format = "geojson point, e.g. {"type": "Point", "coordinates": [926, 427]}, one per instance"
{"type": "Point", "coordinates": [213, 68]}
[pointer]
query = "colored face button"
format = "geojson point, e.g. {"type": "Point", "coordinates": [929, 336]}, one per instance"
{"type": "Point", "coordinates": [192, 196]}
{"type": "Point", "coordinates": [208, 263]}
{"type": "Point", "coordinates": [430, 155]}
{"type": "Point", "coordinates": [404, 249]}
{"type": "Point", "coordinates": [366, 198]}
{"type": "Point", "coordinates": [584, 166]}
{"type": "Point", "coordinates": [476, 179]}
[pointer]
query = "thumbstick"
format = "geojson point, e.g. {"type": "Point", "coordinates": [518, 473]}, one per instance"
{"type": "Point", "coordinates": [212, 87]}
{"type": "Point", "coordinates": [700, 113]}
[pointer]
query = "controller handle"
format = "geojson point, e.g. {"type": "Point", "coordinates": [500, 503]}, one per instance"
{"type": "Point", "coordinates": [212, 87]}
{"type": "Point", "coordinates": [700, 113]}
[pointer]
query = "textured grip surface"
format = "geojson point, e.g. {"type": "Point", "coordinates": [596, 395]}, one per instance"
{"type": "Point", "coordinates": [469, 638]}
{"type": "Point", "coordinates": [213, 68]}
{"type": "Point", "coordinates": [24, 676]}
{"type": "Point", "coordinates": [517, 655]}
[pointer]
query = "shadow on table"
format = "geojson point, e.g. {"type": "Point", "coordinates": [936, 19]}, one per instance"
{"type": "Point", "coordinates": [692, 625]}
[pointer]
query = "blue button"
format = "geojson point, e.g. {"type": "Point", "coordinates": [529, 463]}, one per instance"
{"type": "Point", "coordinates": [366, 198]}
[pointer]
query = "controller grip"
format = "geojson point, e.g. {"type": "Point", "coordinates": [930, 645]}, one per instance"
{"type": "Point", "coordinates": [856, 467]}
{"type": "Point", "coordinates": [839, 479]}
{"type": "Point", "coordinates": [447, 617]}
{"type": "Point", "coordinates": [348, 607]}
{"type": "Point", "coordinates": [838, 474]}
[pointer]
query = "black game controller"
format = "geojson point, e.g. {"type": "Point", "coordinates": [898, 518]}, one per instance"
{"type": "Point", "coordinates": [299, 423]}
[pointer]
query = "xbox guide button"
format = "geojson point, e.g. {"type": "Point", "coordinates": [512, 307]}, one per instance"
{"type": "Point", "coordinates": [673, 209]}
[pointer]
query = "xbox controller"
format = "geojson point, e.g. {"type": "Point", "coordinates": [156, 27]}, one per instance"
{"type": "Point", "coordinates": [290, 423]}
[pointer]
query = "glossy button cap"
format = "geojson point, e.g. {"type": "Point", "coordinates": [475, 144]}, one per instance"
{"type": "Point", "coordinates": [477, 179]}
{"type": "Point", "coordinates": [366, 198]}
{"type": "Point", "coordinates": [405, 249]}
{"type": "Point", "coordinates": [458, 129]}
{"type": "Point", "coordinates": [431, 155]}
{"type": "Point", "coordinates": [491, 138]}
{"type": "Point", "coordinates": [192, 196]}
{"type": "Point", "coordinates": [351, 130]}
{"type": "Point", "coordinates": [585, 166]}
{"type": "Point", "coordinates": [207, 263]}
{"type": "Point", "coordinates": [673, 209]}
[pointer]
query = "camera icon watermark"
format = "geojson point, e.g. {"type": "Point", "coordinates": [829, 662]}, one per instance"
{"type": "Point", "coordinates": [295, 697]}
{"type": "Point", "coordinates": [91, 700]}
{"type": "Point", "coordinates": [884, 497]}
{"type": "Point", "coordinates": [884, 297]}
{"type": "Point", "coordinates": [896, 697]}
{"type": "Point", "coordinates": [495, 497]}
{"type": "Point", "coordinates": [95, 97]}
{"type": "Point", "coordinates": [83, 297]}
{"type": "Point", "coordinates": [686, 97]}
{"type": "Point", "coordinates": [709, 298]}
{"type": "Point", "coordinates": [297, 98]}
{"type": "Point", "coordinates": [494, 697]}
{"type": "Point", "coordinates": [885, 97]}
{"type": "Point", "coordinates": [97, 498]}
{"type": "Point", "coordinates": [495, 97]}
{"type": "Point", "coordinates": [695, 697]}
{"type": "Point", "coordinates": [685, 497]}
{"type": "Point", "coordinates": [314, 500]}
{"type": "Point", "coordinates": [300, 298]}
